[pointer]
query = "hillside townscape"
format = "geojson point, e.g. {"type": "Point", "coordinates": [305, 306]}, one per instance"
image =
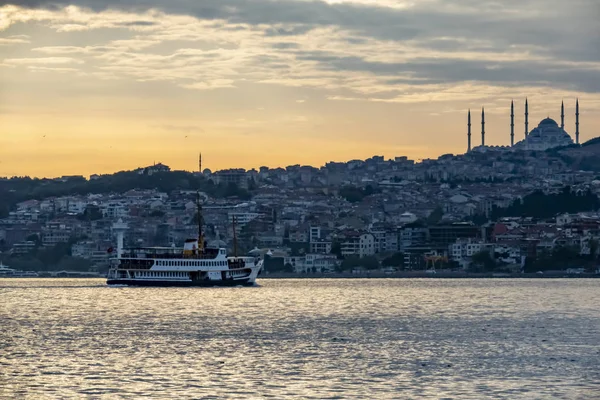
{"type": "Point", "coordinates": [493, 211]}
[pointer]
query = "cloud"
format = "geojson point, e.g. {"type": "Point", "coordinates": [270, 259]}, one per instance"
{"type": "Point", "coordinates": [61, 50]}
{"type": "Point", "coordinates": [209, 85]}
{"type": "Point", "coordinates": [51, 69]}
{"type": "Point", "coordinates": [42, 61]}
{"type": "Point", "coordinates": [391, 50]}
{"type": "Point", "coordinates": [14, 39]}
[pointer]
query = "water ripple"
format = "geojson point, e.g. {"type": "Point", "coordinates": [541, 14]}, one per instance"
{"type": "Point", "coordinates": [308, 339]}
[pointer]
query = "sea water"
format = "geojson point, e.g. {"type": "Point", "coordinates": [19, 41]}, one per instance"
{"type": "Point", "coordinates": [304, 338]}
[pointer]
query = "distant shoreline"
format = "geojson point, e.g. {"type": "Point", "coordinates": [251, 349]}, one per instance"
{"type": "Point", "coordinates": [420, 274]}
{"type": "Point", "coordinates": [374, 275]}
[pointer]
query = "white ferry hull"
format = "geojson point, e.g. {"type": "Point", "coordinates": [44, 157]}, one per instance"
{"type": "Point", "coordinates": [189, 283]}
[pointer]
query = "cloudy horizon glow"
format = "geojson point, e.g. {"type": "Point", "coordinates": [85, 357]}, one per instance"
{"type": "Point", "coordinates": [93, 86]}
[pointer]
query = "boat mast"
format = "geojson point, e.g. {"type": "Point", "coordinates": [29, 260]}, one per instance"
{"type": "Point", "coordinates": [200, 234]}
{"type": "Point", "coordinates": [234, 236]}
{"type": "Point", "coordinates": [199, 207]}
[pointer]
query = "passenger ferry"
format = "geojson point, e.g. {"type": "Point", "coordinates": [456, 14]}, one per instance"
{"type": "Point", "coordinates": [193, 265]}
{"type": "Point", "coordinates": [6, 272]}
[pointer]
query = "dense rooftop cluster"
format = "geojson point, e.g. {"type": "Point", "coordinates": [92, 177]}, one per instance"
{"type": "Point", "coordinates": [363, 214]}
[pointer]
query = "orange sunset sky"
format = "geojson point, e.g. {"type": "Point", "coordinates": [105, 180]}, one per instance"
{"type": "Point", "coordinates": [97, 87]}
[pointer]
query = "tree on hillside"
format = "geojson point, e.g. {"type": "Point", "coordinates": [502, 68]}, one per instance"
{"type": "Point", "coordinates": [541, 205]}
{"type": "Point", "coordinates": [91, 213]}
{"type": "Point", "coordinates": [352, 194]}
{"type": "Point", "coordinates": [483, 261]}
{"type": "Point", "coordinates": [593, 243]}
{"type": "Point", "coordinates": [395, 260]}
{"type": "Point", "coordinates": [336, 248]}
{"type": "Point", "coordinates": [35, 238]}
{"type": "Point", "coordinates": [435, 216]}
{"type": "Point", "coordinates": [368, 262]}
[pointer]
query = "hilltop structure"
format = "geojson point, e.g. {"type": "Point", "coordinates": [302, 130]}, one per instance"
{"type": "Point", "coordinates": [548, 134]}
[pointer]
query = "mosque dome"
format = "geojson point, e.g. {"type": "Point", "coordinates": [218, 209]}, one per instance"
{"type": "Point", "coordinates": [546, 135]}
{"type": "Point", "coordinates": [547, 122]}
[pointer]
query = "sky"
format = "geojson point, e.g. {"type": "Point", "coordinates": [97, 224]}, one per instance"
{"type": "Point", "coordinates": [98, 86]}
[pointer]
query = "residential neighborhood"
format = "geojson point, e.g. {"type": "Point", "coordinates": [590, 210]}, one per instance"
{"type": "Point", "coordinates": [374, 214]}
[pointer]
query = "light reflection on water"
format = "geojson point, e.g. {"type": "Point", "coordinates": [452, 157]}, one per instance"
{"type": "Point", "coordinates": [354, 338]}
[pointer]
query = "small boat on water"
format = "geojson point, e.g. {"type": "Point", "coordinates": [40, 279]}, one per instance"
{"type": "Point", "coordinates": [6, 272]}
{"type": "Point", "coordinates": [195, 264]}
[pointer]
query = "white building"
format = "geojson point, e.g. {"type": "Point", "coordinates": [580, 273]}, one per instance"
{"type": "Point", "coordinates": [320, 247]}
{"type": "Point", "coordinates": [312, 263]}
{"type": "Point", "coordinates": [76, 206]}
{"type": "Point", "coordinates": [114, 210]}
{"type": "Point", "coordinates": [242, 218]}
{"type": "Point", "coordinates": [358, 245]}
{"type": "Point", "coordinates": [463, 249]}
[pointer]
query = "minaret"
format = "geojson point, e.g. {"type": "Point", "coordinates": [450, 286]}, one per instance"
{"type": "Point", "coordinates": [562, 115]}
{"type": "Point", "coordinates": [469, 131]}
{"type": "Point", "coordinates": [512, 123]}
{"type": "Point", "coordinates": [482, 126]}
{"type": "Point", "coordinates": [577, 122]}
{"type": "Point", "coordinates": [526, 118]}
{"type": "Point", "coordinates": [200, 163]}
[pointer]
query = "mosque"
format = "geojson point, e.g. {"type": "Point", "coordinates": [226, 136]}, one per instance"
{"type": "Point", "coordinates": [545, 136]}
